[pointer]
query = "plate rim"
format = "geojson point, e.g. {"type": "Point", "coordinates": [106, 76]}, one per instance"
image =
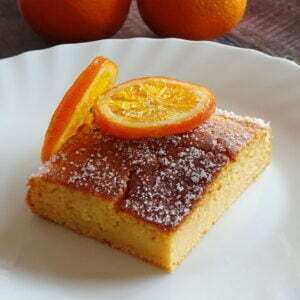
{"type": "Point", "coordinates": [244, 53]}
{"type": "Point", "coordinates": [244, 50]}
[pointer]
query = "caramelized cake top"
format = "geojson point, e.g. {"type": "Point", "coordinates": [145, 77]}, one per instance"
{"type": "Point", "coordinates": [156, 179]}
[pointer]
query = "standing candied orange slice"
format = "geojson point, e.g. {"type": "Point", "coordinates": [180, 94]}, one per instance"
{"type": "Point", "coordinates": [74, 109]}
{"type": "Point", "coordinates": [153, 107]}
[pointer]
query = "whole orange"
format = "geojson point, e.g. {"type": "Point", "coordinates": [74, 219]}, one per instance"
{"type": "Point", "coordinates": [192, 19]}
{"type": "Point", "coordinates": [75, 20]}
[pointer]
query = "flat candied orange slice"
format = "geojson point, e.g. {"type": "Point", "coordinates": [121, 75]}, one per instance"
{"type": "Point", "coordinates": [75, 107]}
{"type": "Point", "coordinates": [153, 107]}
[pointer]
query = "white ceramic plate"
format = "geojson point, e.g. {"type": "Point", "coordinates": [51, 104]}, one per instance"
{"type": "Point", "coordinates": [251, 253]}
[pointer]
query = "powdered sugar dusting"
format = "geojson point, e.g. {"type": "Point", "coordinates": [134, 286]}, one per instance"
{"type": "Point", "coordinates": [260, 122]}
{"type": "Point", "coordinates": [43, 169]}
{"type": "Point", "coordinates": [87, 163]}
{"type": "Point", "coordinates": [156, 179]}
{"type": "Point", "coordinates": [166, 193]}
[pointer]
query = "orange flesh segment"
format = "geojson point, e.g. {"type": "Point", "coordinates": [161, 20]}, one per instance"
{"type": "Point", "coordinates": [152, 107]}
{"type": "Point", "coordinates": [74, 109]}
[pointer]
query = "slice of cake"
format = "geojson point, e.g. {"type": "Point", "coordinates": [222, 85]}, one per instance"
{"type": "Point", "coordinates": [153, 197]}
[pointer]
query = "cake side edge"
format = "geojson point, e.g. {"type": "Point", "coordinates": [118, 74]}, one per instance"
{"type": "Point", "coordinates": [222, 193]}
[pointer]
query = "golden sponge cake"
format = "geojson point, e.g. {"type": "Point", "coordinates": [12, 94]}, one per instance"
{"type": "Point", "coordinates": [154, 197]}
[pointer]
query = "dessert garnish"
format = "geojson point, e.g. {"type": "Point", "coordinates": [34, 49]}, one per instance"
{"type": "Point", "coordinates": [153, 107]}
{"type": "Point", "coordinates": [74, 108]}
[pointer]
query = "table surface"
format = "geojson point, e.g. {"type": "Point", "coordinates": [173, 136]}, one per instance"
{"type": "Point", "coordinates": [270, 26]}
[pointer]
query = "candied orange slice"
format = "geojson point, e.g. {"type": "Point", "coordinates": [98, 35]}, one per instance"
{"type": "Point", "coordinates": [153, 107]}
{"type": "Point", "coordinates": [75, 107]}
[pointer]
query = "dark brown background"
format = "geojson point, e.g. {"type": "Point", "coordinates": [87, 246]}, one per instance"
{"type": "Point", "coordinates": [272, 26]}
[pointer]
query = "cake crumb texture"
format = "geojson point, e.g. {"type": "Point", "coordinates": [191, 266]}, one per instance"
{"type": "Point", "coordinates": [156, 179]}
{"type": "Point", "coordinates": [153, 198]}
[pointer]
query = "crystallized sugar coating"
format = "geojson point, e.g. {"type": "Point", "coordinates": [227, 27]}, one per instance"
{"type": "Point", "coordinates": [156, 179]}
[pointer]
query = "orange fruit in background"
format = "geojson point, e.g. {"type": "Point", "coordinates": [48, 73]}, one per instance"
{"type": "Point", "coordinates": [192, 19]}
{"type": "Point", "coordinates": [75, 20]}
{"type": "Point", "coordinates": [153, 107]}
{"type": "Point", "coordinates": [75, 107]}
